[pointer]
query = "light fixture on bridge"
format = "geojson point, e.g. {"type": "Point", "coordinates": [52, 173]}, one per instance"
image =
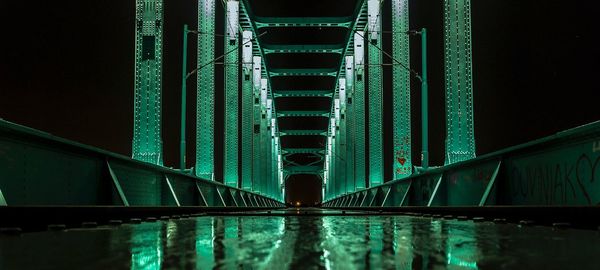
{"type": "Point", "coordinates": [233, 17]}
{"type": "Point", "coordinates": [247, 53]}
{"type": "Point", "coordinates": [374, 20]}
{"type": "Point", "coordinates": [359, 54]}
{"type": "Point", "coordinates": [257, 72]}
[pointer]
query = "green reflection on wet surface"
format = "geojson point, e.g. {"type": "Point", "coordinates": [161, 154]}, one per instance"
{"type": "Point", "coordinates": [304, 242]}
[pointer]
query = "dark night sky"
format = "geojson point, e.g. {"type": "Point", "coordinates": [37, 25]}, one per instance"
{"type": "Point", "coordinates": [66, 67]}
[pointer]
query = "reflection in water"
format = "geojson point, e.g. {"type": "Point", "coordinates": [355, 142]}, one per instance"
{"type": "Point", "coordinates": [304, 242]}
{"type": "Point", "coordinates": [462, 250]}
{"type": "Point", "coordinates": [204, 243]}
{"type": "Point", "coordinates": [146, 247]}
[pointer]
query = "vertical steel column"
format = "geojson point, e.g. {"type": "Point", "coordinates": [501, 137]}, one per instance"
{"type": "Point", "coordinates": [401, 89]}
{"type": "Point", "coordinates": [247, 110]}
{"type": "Point", "coordinates": [350, 125]}
{"type": "Point", "coordinates": [274, 167]}
{"type": "Point", "coordinates": [184, 77]}
{"type": "Point", "coordinates": [265, 136]}
{"type": "Point", "coordinates": [269, 145]}
{"type": "Point", "coordinates": [342, 136]}
{"type": "Point", "coordinates": [147, 143]}
{"type": "Point", "coordinates": [205, 100]}
{"type": "Point", "coordinates": [231, 65]}
{"type": "Point", "coordinates": [359, 111]}
{"type": "Point", "coordinates": [460, 138]}
{"type": "Point", "coordinates": [375, 96]}
{"type": "Point", "coordinates": [334, 158]}
{"type": "Point", "coordinates": [338, 147]}
{"type": "Point", "coordinates": [258, 124]}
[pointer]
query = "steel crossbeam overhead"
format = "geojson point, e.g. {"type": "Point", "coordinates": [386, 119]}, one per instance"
{"type": "Point", "coordinates": [302, 114]}
{"type": "Point", "coordinates": [303, 72]}
{"type": "Point", "coordinates": [303, 169]}
{"type": "Point", "coordinates": [303, 93]}
{"type": "Point", "coordinates": [263, 22]}
{"type": "Point", "coordinates": [303, 132]}
{"type": "Point", "coordinates": [320, 48]}
{"type": "Point", "coordinates": [292, 151]}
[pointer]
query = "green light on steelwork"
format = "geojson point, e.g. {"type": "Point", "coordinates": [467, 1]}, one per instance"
{"type": "Point", "coordinates": [230, 173]}
{"type": "Point", "coordinates": [147, 143]}
{"type": "Point", "coordinates": [460, 138]}
{"type": "Point", "coordinates": [401, 86]}
{"type": "Point", "coordinates": [205, 101]}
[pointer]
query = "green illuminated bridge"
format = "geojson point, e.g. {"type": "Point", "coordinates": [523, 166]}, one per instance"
{"type": "Point", "coordinates": [303, 95]}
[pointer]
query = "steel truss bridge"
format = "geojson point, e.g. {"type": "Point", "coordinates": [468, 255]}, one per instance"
{"type": "Point", "coordinates": [285, 118]}
{"type": "Point", "coordinates": [331, 141]}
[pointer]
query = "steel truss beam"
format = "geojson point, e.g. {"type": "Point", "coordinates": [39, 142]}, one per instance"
{"type": "Point", "coordinates": [302, 114]}
{"type": "Point", "coordinates": [303, 132]}
{"type": "Point", "coordinates": [323, 48]}
{"type": "Point", "coordinates": [303, 72]}
{"type": "Point", "coordinates": [263, 22]}
{"type": "Point", "coordinates": [303, 93]}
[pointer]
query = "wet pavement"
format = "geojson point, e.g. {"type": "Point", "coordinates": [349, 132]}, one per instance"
{"type": "Point", "coordinates": [304, 242]}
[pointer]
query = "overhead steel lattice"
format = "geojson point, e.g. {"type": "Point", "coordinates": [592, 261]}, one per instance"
{"type": "Point", "coordinates": [303, 91]}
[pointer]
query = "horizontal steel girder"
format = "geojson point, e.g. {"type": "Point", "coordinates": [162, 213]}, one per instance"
{"type": "Point", "coordinates": [303, 93]}
{"type": "Point", "coordinates": [303, 72]}
{"type": "Point", "coordinates": [303, 132]}
{"type": "Point", "coordinates": [303, 113]}
{"type": "Point", "coordinates": [263, 22]}
{"type": "Point", "coordinates": [325, 48]}
{"type": "Point", "coordinates": [291, 151]}
{"type": "Point", "coordinates": [303, 169]}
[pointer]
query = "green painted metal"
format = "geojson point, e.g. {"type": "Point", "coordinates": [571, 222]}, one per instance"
{"type": "Point", "coordinates": [231, 66]}
{"type": "Point", "coordinates": [556, 170]}
{"type": "Point", "coordinates": [247, 124]}
{"type": "Point", "coordinates": [184, 77]}
{"type": "Point", "coordinates": [147, 142]}
{"type": "Point", "coordinates": [342, 136]}
{"type": "Point", "coordinates": [205, 93]}
{"type": "Point", "coordinates": [350, 125]}
{"type": "Point", "coordinates": [303, 169]}
{"type": "Point", "coordinates": [46, 170]}
{"type": "Point", "coordinates": [303, 93]}
{"type": "Point", "coordinates": [424, 103]}
{"type": "Point", "coordinates": [292, 151]}
{"type": "Point", "coordinates": [302, 113]}
{"type": "Point", "coordinates": [359, 101]}
{"type": "Point", "coordinates": [303, 132]}
{"type": "Point", "coordinates": [263, 22]}
{"type": "Point", "coordinates": [319, 48]}
{"type": "Point", "coordinates": [460, 138]}
{"type": "Point", "coordinates": [375, 99]}
{"type": "Point", "coordinates": [401, 88]}
{"type": "Point", "coordinates": [257, 122]}
{"type": "Point", "coordinates": [303, 72]}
